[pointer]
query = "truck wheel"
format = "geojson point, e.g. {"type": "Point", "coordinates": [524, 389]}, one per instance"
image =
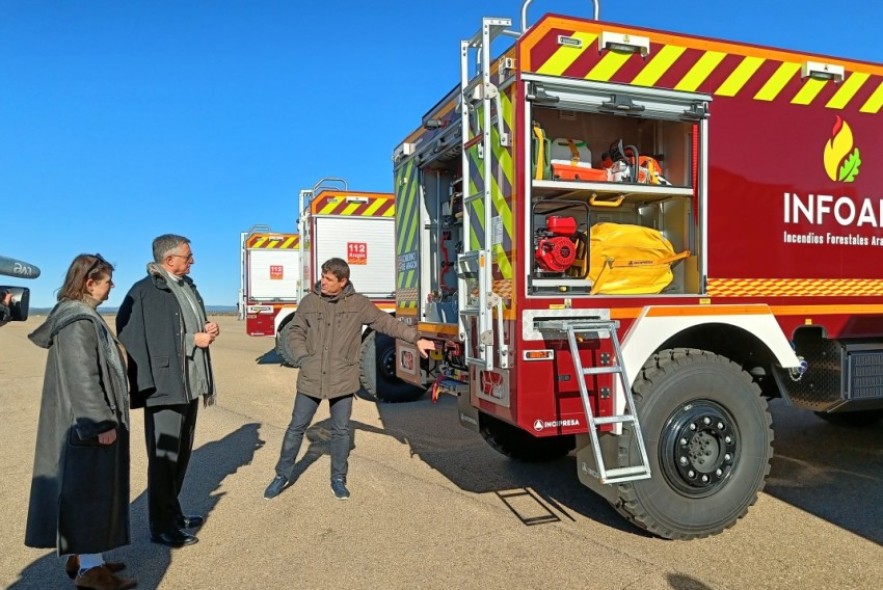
{"type": "Point", "coordinates": [282, 347]}
{"type": "Point", "coordinates": [521, 446]}
{"type": "Point", "coordinates": [708, 434]}
{"type": "Point", "coordinates": [378, 371]}
{"type": "Point", "coordinates": [853, 419]}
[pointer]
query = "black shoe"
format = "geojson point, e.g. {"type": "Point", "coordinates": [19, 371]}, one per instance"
{"type": "Point", "coordinates": [190, 522]}
{"type": "Point", "coordinates": [338, 486]}
{"type": "Point", "coordinates": [276, 486]}
{"type": "Point", "coordinates": [173, 538]}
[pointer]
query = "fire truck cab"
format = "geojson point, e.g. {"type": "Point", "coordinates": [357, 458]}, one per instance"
{"type": "Point", "coordinates": [584, 228]}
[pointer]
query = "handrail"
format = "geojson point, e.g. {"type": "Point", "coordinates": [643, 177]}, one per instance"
{"type": "Point", "coordinates": [322, 184]}
{"type": "Point", "coordinates": [526, 3]}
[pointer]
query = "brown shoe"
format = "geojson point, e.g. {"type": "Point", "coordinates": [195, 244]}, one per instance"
{"type": "Point", "coordinates": [100, 578]}
{"type": "Point", "coordinates": [72, 567]}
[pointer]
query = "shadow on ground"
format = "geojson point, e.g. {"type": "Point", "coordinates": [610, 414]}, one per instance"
{"type": "Point", "coordinates": [535, 493]}
{"type": "Point", "coordinates": [271, 357]}
{"type": "Point", "coordinates": [210, 464]}
{"type": "Point", "coordinates": [832, 472]}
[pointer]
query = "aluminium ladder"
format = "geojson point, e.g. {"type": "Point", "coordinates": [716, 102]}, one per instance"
{"type": "Point", "coordinates": [595, 327]}
{"type": "Point", "coordinates": [477, 94]}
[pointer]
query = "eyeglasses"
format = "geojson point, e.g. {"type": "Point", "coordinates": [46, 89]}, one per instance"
{"type": "Point", "coordinates": [188, 258]}
{"type": "Point", "coordinates": [99, 260]}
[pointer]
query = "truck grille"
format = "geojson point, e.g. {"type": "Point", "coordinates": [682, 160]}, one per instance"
{"type": "Point", "coordinates": [865, 375]}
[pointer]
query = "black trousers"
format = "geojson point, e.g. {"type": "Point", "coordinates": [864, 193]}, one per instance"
{"type": "Point", "coordinates": [169, 432]}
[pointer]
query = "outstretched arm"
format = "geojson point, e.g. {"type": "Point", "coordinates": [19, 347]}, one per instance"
{"type": "Point", "coordinates": [424, 345]}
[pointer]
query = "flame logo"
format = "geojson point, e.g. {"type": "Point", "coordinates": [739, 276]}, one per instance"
{"type": "Point", "coordinates": [842, 158]}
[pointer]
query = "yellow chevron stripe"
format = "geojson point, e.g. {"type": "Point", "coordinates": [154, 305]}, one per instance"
{"type": "Point", "coordinates": [410, 241]}
{"type": "Point", "coordinates": [329, 208]}
{"type": "Point", "coordinates": [793, 287]}
{"type": "Point", "coordinates": [374, 207]}
{"type": "Point", "coordinates": [287, 243]}
{"type": "Point", "coordinates": [565, 55]}
{"type": "Point", "coordinates": [477, 214]}
{"type": "Point", "coordinates": [740, 76]}
{"type": "Point", "coordinates": [847, 90]}
{"type": "Point", "coordinates": [507, 169]}
{"type": "Point", "coordinates": [607, 66]}
{"type": "Point", "coordinates": [809, 91]}
{"type": "Point", "coordinates": [348, 210]}
{"type": "Point", "coordinates": [260, 243]}
{"type": "Point", "coordinates": [502, 259]}
{"type": "Point", "coordinates": [504, 158]}
{"type": "Point", "coordinates": [777, 81]}
{"type": "Point", "coordinates": [700, 71]}
{"type": "Point", "coordinates": [654, 70]}
{"type": "Point", "coordinates": [391, 212]}
{"type": "Point", "coordinates": [873, 104]}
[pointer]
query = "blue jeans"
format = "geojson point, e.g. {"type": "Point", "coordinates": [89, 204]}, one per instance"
{"type": "Point", "coordinates": [304, 409]}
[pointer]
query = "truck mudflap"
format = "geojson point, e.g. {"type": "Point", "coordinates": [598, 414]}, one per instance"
{"type": "Point", "coordinates": [466, 412]}
{"type": "Point", "coordinates": [834, 376]}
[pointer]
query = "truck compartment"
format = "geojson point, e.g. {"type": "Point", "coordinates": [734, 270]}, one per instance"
{"type": "Point", "coordinates": [623, 170]}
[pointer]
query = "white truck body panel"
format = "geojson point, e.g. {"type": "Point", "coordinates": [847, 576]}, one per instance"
{"type": "Point", "coordinates": [366, 243]}
{"type": "Point", "coordinates": [273, 275]}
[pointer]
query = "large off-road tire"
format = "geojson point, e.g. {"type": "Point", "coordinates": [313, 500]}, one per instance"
{"type": "Point", "coordinates": [853, 419]}
{"type": "Point", "coordinates": [521, 446]}
{"type": "Point", "coordinates": [378, 371]}
{"type": "Point", "coordinates": [282, 347]}
{"type": "Point", "coordinates": [708, 434]}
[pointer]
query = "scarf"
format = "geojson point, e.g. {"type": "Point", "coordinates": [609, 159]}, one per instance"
{"type": "Point", "coordinates": [199, 376]}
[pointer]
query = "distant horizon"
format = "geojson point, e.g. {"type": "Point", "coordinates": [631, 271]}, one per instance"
{"type": "Point", "coordinates": [216, 309]}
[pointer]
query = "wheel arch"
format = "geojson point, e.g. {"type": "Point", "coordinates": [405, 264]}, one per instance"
{"type": "Point", "coordinates": [283, 318]}
{"type": "Point", "coordinates": [748, 335]}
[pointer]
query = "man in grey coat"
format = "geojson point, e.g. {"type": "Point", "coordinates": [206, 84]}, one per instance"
{"type": "Point", "coordinates": [325, 341]}
{"type": "Point", "coordinates": [163, 325]}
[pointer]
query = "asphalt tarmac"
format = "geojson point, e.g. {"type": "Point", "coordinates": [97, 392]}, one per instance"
{"type": "Point", "coordinates": [433, 507]}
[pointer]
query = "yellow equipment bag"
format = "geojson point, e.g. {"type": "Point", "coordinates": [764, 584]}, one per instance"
{"type": "Point", "coordinates": [630, 259]}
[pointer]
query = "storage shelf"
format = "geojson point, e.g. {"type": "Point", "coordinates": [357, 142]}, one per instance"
{"type": "Point", "coordinates": [646, 192]}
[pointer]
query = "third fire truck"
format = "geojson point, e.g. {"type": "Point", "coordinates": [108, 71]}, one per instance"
{"type": "Point", "coordinates": [625, 241]}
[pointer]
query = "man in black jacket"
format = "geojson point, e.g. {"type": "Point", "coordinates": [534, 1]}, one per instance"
{"type": "Point", "coordinates": [163, 325]}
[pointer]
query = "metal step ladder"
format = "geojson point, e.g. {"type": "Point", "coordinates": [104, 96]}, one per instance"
{"type": "Point", "coordinates": [595, 328]}
{"type": "Point", "coordinates": [478, 94]}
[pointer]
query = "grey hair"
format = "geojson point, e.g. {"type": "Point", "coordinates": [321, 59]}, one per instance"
{"type": "Point", "coordinates": [164, 244]}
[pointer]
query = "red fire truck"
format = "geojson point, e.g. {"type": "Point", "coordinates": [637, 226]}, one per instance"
{"type": "Point", "coordinates": [609, 266]}
{"type": "Point", "coordinates": [278, 269]}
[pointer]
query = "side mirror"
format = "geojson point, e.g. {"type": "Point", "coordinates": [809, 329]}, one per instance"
{"type": "Point", "coordinates": [18, 305]}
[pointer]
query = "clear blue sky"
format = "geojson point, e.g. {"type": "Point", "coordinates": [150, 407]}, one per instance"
{"type": "Point", "coordinates": [124, 119]}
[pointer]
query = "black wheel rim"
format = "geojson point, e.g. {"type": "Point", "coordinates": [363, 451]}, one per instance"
{"type": "Point", "coordinates": [700, 448]}
{"type": "Point", "coordinates": [386, 362]}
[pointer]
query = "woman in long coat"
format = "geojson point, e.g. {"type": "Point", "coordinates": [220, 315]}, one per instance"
{"type": "Point", "coordinates": [79, 500]}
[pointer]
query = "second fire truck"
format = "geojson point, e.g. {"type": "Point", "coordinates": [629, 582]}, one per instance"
{"type": "Point", "coordinates": [279, 269]}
